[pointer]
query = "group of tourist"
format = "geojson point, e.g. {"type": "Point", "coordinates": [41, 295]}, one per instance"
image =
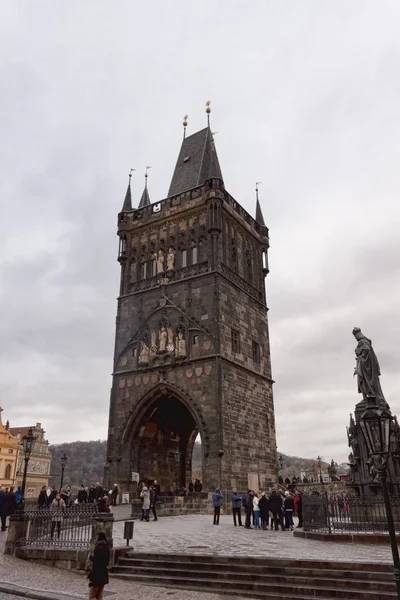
{"type": "Point", "coordinates": [149, 493]}
{"type": "Point", "coordinates": [262, 509]}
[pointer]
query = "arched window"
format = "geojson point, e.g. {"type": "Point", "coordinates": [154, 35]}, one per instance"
{"type": "Point", "coordinates": [7, 474]}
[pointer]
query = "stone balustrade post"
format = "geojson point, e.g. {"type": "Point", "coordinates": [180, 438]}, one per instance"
{"type": "Point", "coordinates": [102, 522]}
{"type": "Point", "coordinates": [16, 533]}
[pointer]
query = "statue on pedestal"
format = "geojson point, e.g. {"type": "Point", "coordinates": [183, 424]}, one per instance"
{"type": "Point", "coordinates": [170, 259]}
{"type": "Point", "coordinates": [163, 339]}
{"type": "Point", "coordinates": [367, 367]}
{"type": "Point", "coordinates": [160, 262]}
{"type": "Point", "coordinates": [153, 347]}
{"type": "Point", "coordinates": [144, 354]}
{"type": "Point", "coordinates": [180, 345]}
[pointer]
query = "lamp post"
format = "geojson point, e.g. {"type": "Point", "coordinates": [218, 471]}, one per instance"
{"type": "Point", "coordinates": [28, 443]}
{"type": "Point", "coordinates": [319, 463]}
{"type": "Point", "coordinates": [64, 459]}
{"type": "Point", "coordinates": [376, 424]}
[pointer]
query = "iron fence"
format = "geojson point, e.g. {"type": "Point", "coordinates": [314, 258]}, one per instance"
{"type": "Point", "coordinates": [351, 514]}
{"type": "Point", "coordinates": [69, 527]}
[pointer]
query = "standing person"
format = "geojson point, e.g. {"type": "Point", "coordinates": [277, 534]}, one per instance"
{"type": "Point", "coordinates": [42, 499]}
{"type": "Point", "coordinates": [99, 492]}
{"type": "Point", "coordinates": [198, 486]}
{"type": "Point", "coordinates": [153, 500]}
{"type": "Point", "coordinates": [157, 489]}
{"type": "Point", "coordinates": [53, 494]}
{"type": "Point", "coordinates": [9, 506]}
{"type": "Point", "coordinates": [57, 510]}
{"type": "Point", "coordinates": [18, 495]}
{"type": "Point", "coordinates": [248, 507]}
{"type": "Point", "coordinates": [98, 576]}
{"type": "Point", "coordinates": [217, 501]}
{"type": "Point", "coordinates": [191, 487]}
{"type": "Point", "coordinates": [2, 515]}
{"type": "Point", "coordinates": [103, 506]}
{"type": "Point", "coordinates": [65, 496]}
{"type": "Point", "coordinates": [288, 505]}
{"type": "Point", "coordinates": [82, 495]}
{"type": "Point", "coordinates": [114, 495]}
{"type": "Point", "coordinates": [145, 495]}
{"type": "Point", "coordinates": [264, 510]}
{"type": "Point", "coordinates": [256, 511]}
{"type": "Point", "coordinates": [92, 494]}
{"type": "Point", "coordinates": [298, 507]}
{"type": "Point", "coordinates": [236, 507]}
{"type": "Point", "coordinates": [275, 506]}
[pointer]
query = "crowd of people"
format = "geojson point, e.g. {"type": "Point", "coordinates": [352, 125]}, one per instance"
{"type": "Point", "coordinates": [262, 510]}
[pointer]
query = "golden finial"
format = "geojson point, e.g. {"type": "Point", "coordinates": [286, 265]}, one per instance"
{"type": "Point", "coordinates": [208, 109]}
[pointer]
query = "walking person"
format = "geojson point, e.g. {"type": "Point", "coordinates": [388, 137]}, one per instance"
{"type": "Point", "coordinates": [236, 507]}
{"type": "Point", "coordinates": [114, 495]}
{"type": "Point", "coordinates": [53, 494]}
{"type": "Point", "coordinates": [153, 500]}
{"type": "Point", "coordinates": [9, 507]}
{"type": "Point", "coordinates": [217, 501]}
{"type": "Point", "coordinates": [248, 507]}
{"type": "Point", "coordinates": [145, 495]}
{"type": "Point", "coordinates": [256, 512]}
{"type": "Point", "coordinates": [98, 576]}
{"type": "Point", "coordinates": [298, 507]}
{"type": "Point", "coordinates": [275, 506]}
{"type": "Point", "coordinates": [82, 495]}
{"type": "Point", "coordinates": [264, 510]}
{"type": "Point", "coordinates": [57, 510]}
{"type": "Point", "coordinates": [288, 505]}
{"type": "Point", "coordinates": [43, 499]}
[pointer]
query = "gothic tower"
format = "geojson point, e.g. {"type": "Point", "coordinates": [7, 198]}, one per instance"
{"type": "Point", "coordinates": [192, 353]}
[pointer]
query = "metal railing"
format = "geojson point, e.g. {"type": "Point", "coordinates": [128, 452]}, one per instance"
{"type": "Point", "coordinates": [348, 514]}
{"type": "Point", "coordinates": [70, 527]}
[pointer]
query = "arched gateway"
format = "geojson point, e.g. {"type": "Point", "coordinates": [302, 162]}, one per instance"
{"type": "Point", "coordinates": [192, 349]}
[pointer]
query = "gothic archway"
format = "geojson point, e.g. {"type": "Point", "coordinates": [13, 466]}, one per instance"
{"type": "Point", "coordinates": [161, 433]}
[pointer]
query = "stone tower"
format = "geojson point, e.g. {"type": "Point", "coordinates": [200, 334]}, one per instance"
{"type": "Point", "coordinates": [192, 353]}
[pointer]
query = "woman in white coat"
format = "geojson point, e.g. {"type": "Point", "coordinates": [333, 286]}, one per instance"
{"type": "Point", "coordinates": [145, 495]}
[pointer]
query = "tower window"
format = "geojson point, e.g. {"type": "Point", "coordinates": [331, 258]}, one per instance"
{"type": "Point", "coordinates": [7, 474]}
{"type": "Point", "coordinates": [153, 268]}
{"type": "Point", "coordinates": [256, 352]}
{"type": "Point", "coordinates": [183, 258]}
{"type": "Point", "coordinates": [235, 341]}
{"type": "Point", "coordinates": [143, 270]}
{"type": "Point", "coordinates": [194, 255]}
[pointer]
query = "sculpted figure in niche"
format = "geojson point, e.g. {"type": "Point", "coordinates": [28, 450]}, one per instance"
{"type": "Point", "coordinates": [170, 259]}
{"type": "Point", "coordinates": [160, 262]}
{"type": "Point", "coordinates": [144, 353]}
{"type": "Point", "coordinates": [163, 339]}
{"type": "Point", "coordinates": [170, 345]}
{"type": "Point", "coordinates": [153, 347]}
{"type": "Point", "coordinates": [180, 345]}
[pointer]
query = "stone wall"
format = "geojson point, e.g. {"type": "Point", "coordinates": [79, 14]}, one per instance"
{"type": "Point", "coordinates": [170, 506]}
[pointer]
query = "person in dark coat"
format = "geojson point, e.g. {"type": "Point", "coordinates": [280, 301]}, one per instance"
{"type": "Point", "coordinates": [98, 576]}
{"type": "Point", "coordinates": [275, 506]}
{"type": "Point", "coordinates": [153, 500]}
{"type": "Point", "coordinates": [92, 494]}
{"type": "Point", "coordinates": [264, 510]}
{"type": "Point", "coordinates": [114, 495]}
{"type": "Point", "coordinates": [82, 495]}
{"type": "Point", "coordinates": [288, 506]}
{"type": "Point", "coordinates": [102, 505]}
{"type": "Point", "coordinates": [65, 496]}
{"type": "Point", "coordinates": [42, 499]}
{"type": "Point", "coordinates": [248, 508]}
{"type": "Point", "coordinates": [2, 515]}
{"type": "Point", "coordinates": [53, 494]}
{"type": "Point", "coordinates": [99, 492]}
{"type": "Point", "coordinates": [236, 506]}
{"type": "Point", "coordinates": [217, 498]}
{"type": "Point", "coordinates": [9, 507]}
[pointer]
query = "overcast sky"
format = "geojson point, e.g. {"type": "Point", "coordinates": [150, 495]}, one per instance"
{"type": "Point", "coordinates": [305, 98]}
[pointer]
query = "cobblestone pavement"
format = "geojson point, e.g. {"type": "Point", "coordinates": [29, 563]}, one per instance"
{"type": "Point", "coordinates": [195, 534]}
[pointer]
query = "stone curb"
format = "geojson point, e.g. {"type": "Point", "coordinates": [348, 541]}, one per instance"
{"type": "Point", "coordinates": [17, 590]}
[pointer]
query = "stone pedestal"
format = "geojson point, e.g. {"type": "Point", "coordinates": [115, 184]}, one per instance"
{"type": "Point", "coordinates": [16, 533]}
{"type": "Point", "coordinates": [102, 522]}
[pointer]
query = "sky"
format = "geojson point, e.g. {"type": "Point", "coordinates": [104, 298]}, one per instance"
{"type": "Point", "coordinates": [305, 98]}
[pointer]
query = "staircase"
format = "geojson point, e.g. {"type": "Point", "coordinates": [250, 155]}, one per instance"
{"type": "Point", "coordinates": [261, 578]}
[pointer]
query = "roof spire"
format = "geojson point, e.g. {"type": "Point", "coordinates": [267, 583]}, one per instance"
{"type": "Point", "coordinates": [208, 111]}
{"type": "Point", "coordinates": [185, 118]}
{"type": "Point", "coordinates": [259, 215]}
{"type": "Point", "coordinates": [145, 199]}
{"type": "Point", "coordinates": [127, 206]}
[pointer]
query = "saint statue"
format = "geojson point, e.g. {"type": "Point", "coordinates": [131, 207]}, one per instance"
{"type": "Point", "coordinates": [153, 347]}
{"type": "Point", "coordinates": [170, 345]}
{"type": "Point", "coordinates": [180, 346]}
{"type": "Point", "coordinates": [170, 259]}
{"type": "Point", "coordinates": [367, 367]}
{"type": "Point", "coordinates": [144, 353]}
{"type": "Point", "coordinates": [160, 262]}
{"type": "Point", "coordinates": [163, 339]}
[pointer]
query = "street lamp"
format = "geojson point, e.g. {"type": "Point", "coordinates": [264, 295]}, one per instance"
{"type": "Point", "coordinates": [376, 424]}
{"type": "Point", "coordinates": [64, 459]}
{"type": "Point", "coordinates": [28, 443]}
{"type": "Point", "coordinates": [319, 463]}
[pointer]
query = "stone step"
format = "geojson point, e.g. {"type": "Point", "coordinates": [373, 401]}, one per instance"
{"type": "Point", "coordinates": [259, 590]}
{"type": "Point", "coordinates": [263, 561]}
{"type": "Point", "coordinates": [265, 578]}
{"type": "Point", "coordinates": [264, 568]}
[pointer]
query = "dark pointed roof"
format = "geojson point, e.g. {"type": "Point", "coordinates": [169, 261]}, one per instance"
{"type": "Point", "coordinates": [197, 162]}
{"type": "Point", "coordinates": [127, 206]}
{"type": "Point", "coordinates": [145, 199]}
{"type": "Point", "coordinates": [259, 215]}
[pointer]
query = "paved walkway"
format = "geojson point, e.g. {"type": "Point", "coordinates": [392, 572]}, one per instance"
{"type": "Point", "coordinates": [195, 534]}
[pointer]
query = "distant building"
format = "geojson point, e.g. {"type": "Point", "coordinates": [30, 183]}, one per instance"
{"type": "Point", "coordinates": [9, 447]}
{"type": "Point", "coordinates": [40, 461]}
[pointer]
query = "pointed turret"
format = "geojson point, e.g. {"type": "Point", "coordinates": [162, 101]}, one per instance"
{"type": "Point", "coordinates": [197, 161]}
{"type": "Point", "coordinates": [145, 199]}
{"type": "Point", "coordinates": [259, 215]}
{"type": "Point", "coordinates": [127, 206]}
